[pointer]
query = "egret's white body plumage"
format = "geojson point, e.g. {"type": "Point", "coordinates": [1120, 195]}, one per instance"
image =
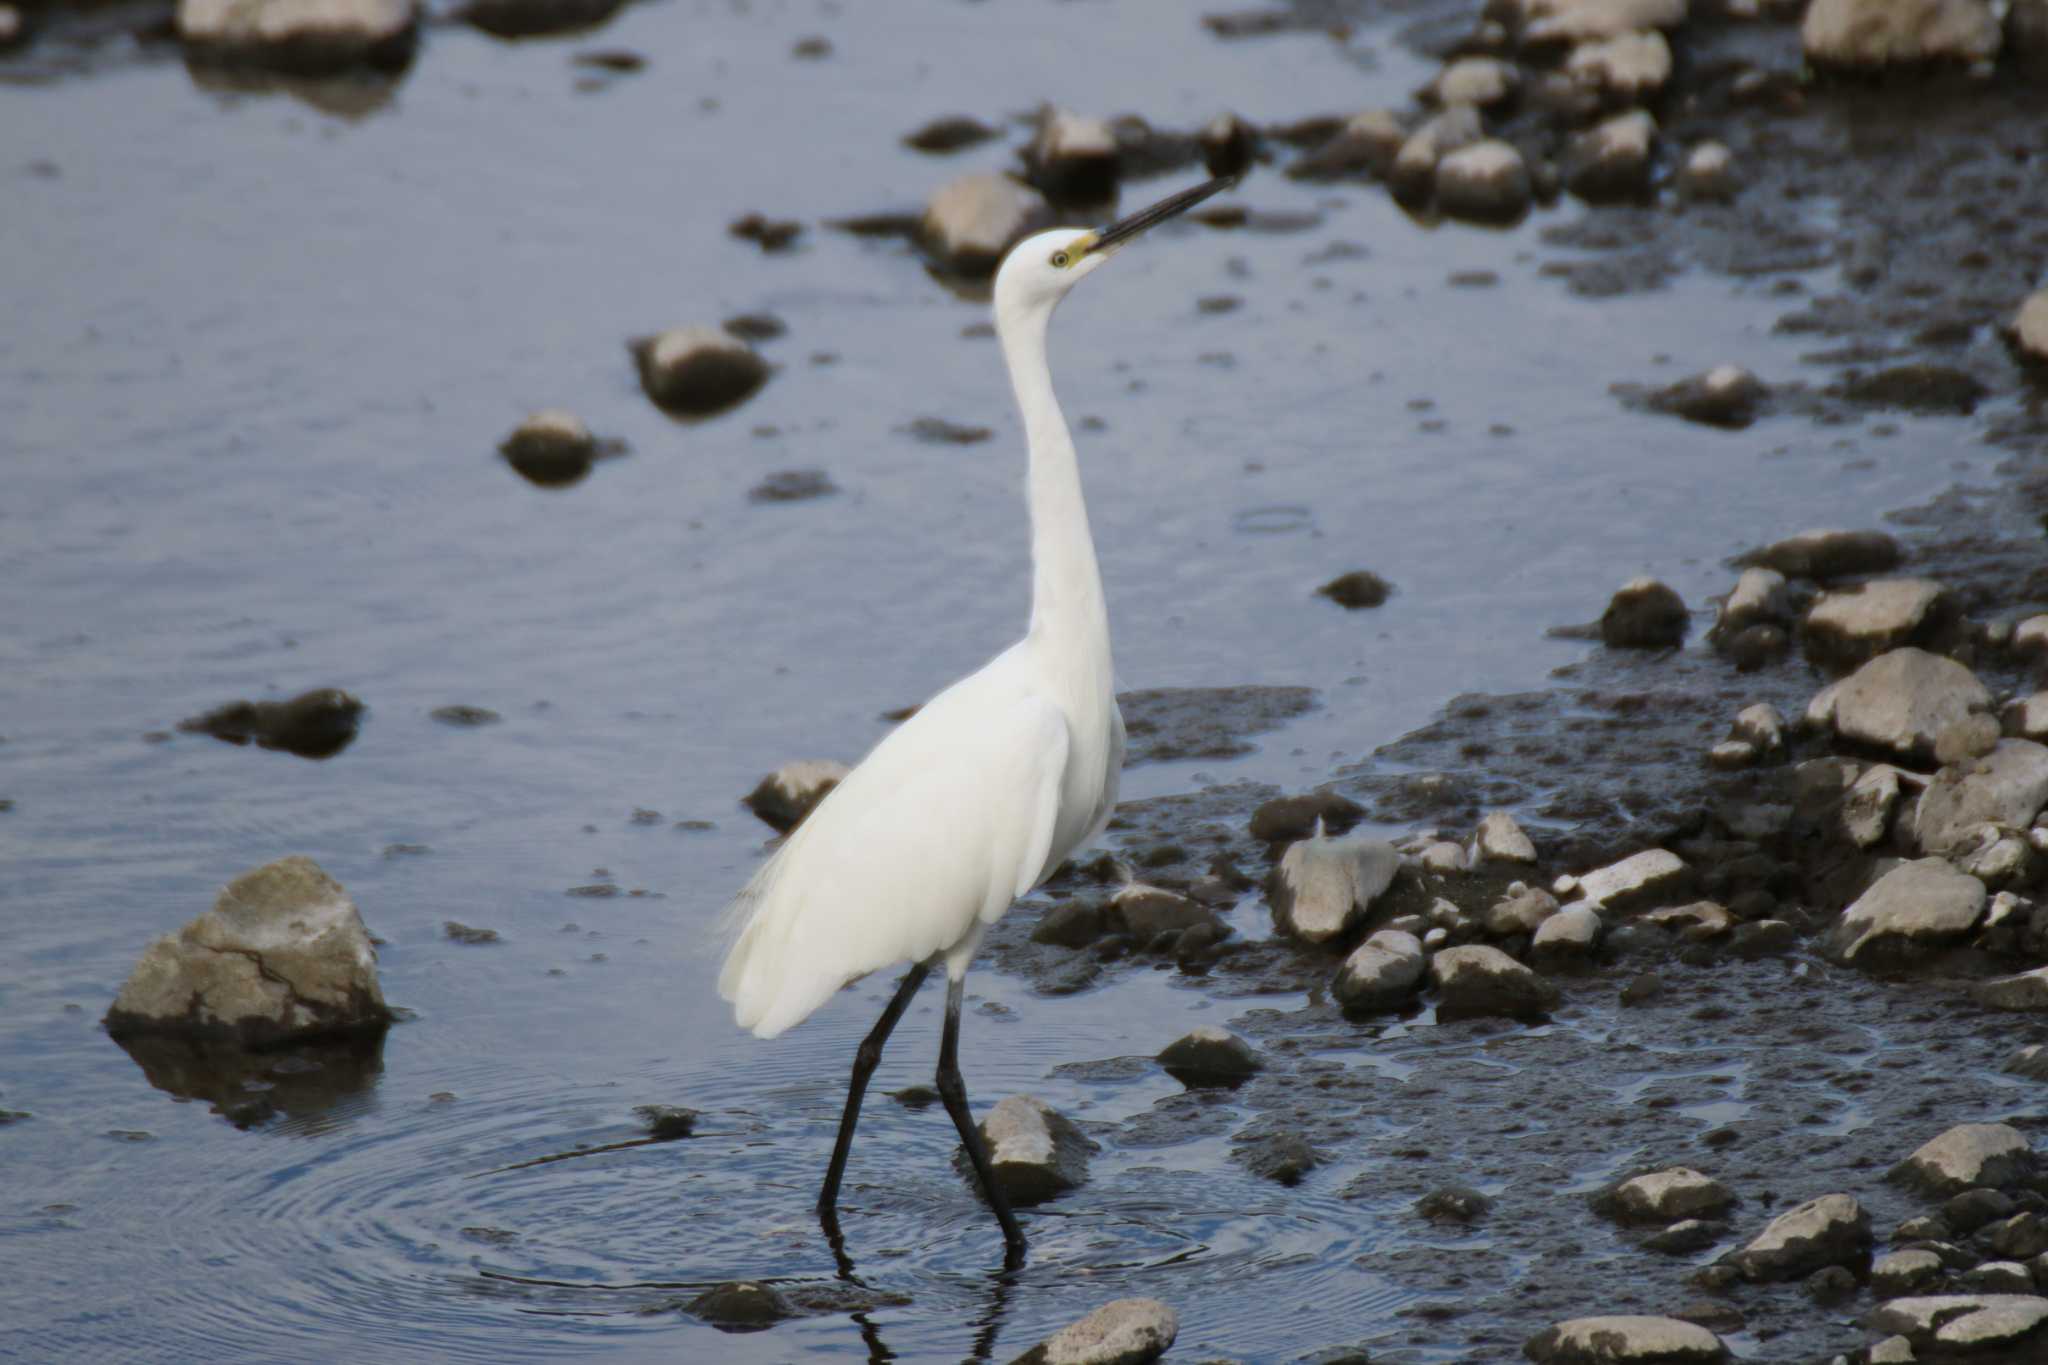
{"type": "Point", "coordinates": [980, 795]}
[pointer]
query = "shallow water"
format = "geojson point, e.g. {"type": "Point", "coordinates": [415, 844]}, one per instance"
{"type": "Point", "coordinates": [256, 362]}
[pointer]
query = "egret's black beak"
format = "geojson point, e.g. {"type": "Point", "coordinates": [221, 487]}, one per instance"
{"type": "Point", "coordinates": [1121, 231]}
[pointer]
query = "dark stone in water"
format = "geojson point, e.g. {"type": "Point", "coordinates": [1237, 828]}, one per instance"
{"type": "Point", "coordinates": [666, 1122]}
{"type": "Point", "coordinates": [1287, 818]}
{"type": "Point", "coordinates": [465, 716]}
{"type": "Point", "coordinates": [1162, 724]}
{"type": "Point", "coordinates": [1454, 1204]}
{"type": "Point", "coordinates": [1285, 1158]}
{"type": "Point", "coordinates": [755, 326]}
{"type": "Point", "coordinates": [1935, 389]}
{"type": "Point", "coordinates": [951, 134]}
{"type": "Point", "coordinates": [468, 934]}
{"type": "Point", "coordinates": [532, 18]}
{"type": "Point", "coordinates": [770, 234]}
{"type": "Point", "coordinates": [1359, 588]}
{"type": "Point", "coordinates": [741, 1306]}
{"type": "Point", "coordinates": [938, 431]}
{"type": "Point", "coordinates": [793, 485]}
{"type": "Point", "coordinates": [316, 724]}
{"type": "Point", "coordinates": [1069, 925]}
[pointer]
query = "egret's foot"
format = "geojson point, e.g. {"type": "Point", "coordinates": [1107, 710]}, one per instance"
{"type": "Point", "coordinates": [1013, 1253]}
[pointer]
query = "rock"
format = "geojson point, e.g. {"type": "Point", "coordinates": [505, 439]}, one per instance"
{"type": "Point", "coordinates": [535, 18]}
{"type": "Point", "coordinates": [1623, 69]}
{"type": "Point", "coordinates": [2027, 992]}
{"type": "Point", "coordinates": [741, 1305]}
{"type": "Point", "coordinates": [1958, 1323]}
{"type": "Point", "coordinates": [2026, 717]}
{"type": "Point", "coordinates": [697, 371]}
{"type": "Point", "coordinates": [1035, 1151]}
{"type": "Point", "coordinates": [1486, 182]}
{"type": "Point", "coordinates": [1966, 1156]}
{"type": "Point", "coordinates": [1759, 597]}
{"type": "Point", "coordinates": [1611, 160]}
{"type": "Point", "coordinates": [1665, 1197]}
{"type": "Point", "coordinates": [1210, 1056]}
{"type": "Point", "coordinates": [1073, 157]}
{"type": "Point", "coordinates": [1625, 1341]}
{"type": "Point", "coordinates": [1709, 172]}
{"type": "Point", "coordinates": [2007, 787]}
{"type": "Point", "coordinates": [2028, 331]}
{"type": "Point", "coordinates": [1286, 818]}
{"type": "Point", "coordinates": [1413, 174]}
{"type": "Point", "coordinates": [1725, 396]}
{"type": "Point", "coordinates": [1359, 588]}
{"type": "Point", "coordinates": [1763, 938]}
{"type": "Point", "coordinates": [667, 1122]}
{"type": "Point", "coordinates": [1569, 935]}
{"type": "Point", "coordinates": [1997, 1277]}
{"type": "Point", "coordinates": [786, 796]}
{"type": "Point", "coordinates": [1454, 1204]}
{"type": "Point", "coordinates": [2030, 1061]}
{"type": "Point", "coordinates": [1683, 1238]}
{"type": "Point", "coordinates": [1323, 885]}
{"type": "Point", "coordinates": [1482, 82]}
{"type": "Point", "coordinates": [1069, 924]}
{"type": "Point", "coordinates": [316, 724]}
{"type": "Point", "coordinates": [770, 234]}
{"type": "Point", "coordinates": [1829, 554]}
{"type": "Point", "coordinates": [1644, 615]}
{"type": "Point", "coordinates": [1902, 701]}
{"type": "Point", "coordinates": [1443, 857]}
{"type": "Point", "coordinates": [1902, 1272]}
{"type": "Point", "coordinates": [303, 37]}
{"type": "Point", "coordinates": [971, 223]}
{"type": "Point", "coordinates": [1367, 144]}
{"type": "Point", "coordinates": [1520, 911]}
{"type": "Point", "coordinates": [1228, 145]}
{"type": "Point", "coordinates": [2026, 44]}
{"type": "Point", "coordinates": [793, 485]}
{"type": "Point", "coordinates": [12, 28]}
{"type": "Point", "coordinates": [1850, 626]}
{"type": "Point", "coordinates": [1476, 980]}
{"type": "Point", "coordinates": [1913, 907]}
{"type": "Point", "coordinates": [1761, 726]}
{"type": "Point", "coordinates": [1144, 913]}
{"type": "Point", "coordinates": [1971, 737]}
{"type": "Point", "coordinates": [950, 134]}
{"type": "Point", "coordinates": [2020, 1237]}
{"type": "Point", "coordinates": [1121, 1332]}
{"type": "Point", "coordinates": [1869, 35]}
{"type": "Point", "coordinates": [1500, 840]}
{"type": "Point", "coordinates": [1995, 856]}
{"type": "Point", "coordinates": [1940, 389]}
{"type": "Point", "coordinates": [1830, 1230]}
{"type": "Point", "coordinates": [1285, 1158]}
{"type": "Point", "coordinates": [1637, 880]}
{"type": "Point", "coordinates": [552, 448]}
{"type": "Point", "coordinates": [281, 957]}
{"type": "Point", "coordinates": [1699, 921]}
{"type": "Point", "coordinates": [1867, 809]}
{"type": "Point", "coordinates": [468, 934]}
{"type": "Point", "coordinates": [1381, 973]}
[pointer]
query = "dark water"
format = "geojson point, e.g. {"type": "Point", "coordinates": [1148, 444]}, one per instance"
{"type": "Point", "coordinates": [255, 361]}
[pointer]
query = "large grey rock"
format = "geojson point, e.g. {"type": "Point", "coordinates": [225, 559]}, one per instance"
{"type": "Point", "coordinates": [1915, 906]}
{"type": "Point", "coordinates": [1759, 597]}
{"type": "Point", "coordinates": [697, 371]}
{"type": "Point", "coordinates": [1902, 701]}
{"type": "Point", "coordinates": [1830, 1230]}
{"type": "Point", "coordinates": [1487, 182]}
{"type": "Point", "coordinates": [1381, 973]}
{"type": "Point", "coordinates": [1611, 160]}
{"type": "Point", "coordinates": [1121, 1332]}
{"type": "Point", "coordinates": [1476, 980]}
{"type": "Point", "coordinates": [1210, 1056]}
{"type": "Point", "coordinates": [2026, 992]}
{"type": "Point", "coordinates": [1073, 156]}
{"type": "Point", "coordinates": [306, 37]}
{"type": "Point", "coordinates": [1960, 1323]}
{"type": "Point", "coordinates": [1824, 554]}
{"type": "Point", "coordinates": [1500, 840]}
{"type": "Point", "coordinates": [784, 797]}
{"type": "Point", "coordinates": [1623, 69]}
{"type": "Point", "coordinates": [1322, 886]}
{"type": "Point", "coordinates": [1413, 173]}
{"type": "Point", "coordinates": [1626, 1340]}
{"type": "Point", "coordinates": [1870, 35]}
{"type": "Point", "coordinates": [1637, 880]}
{"type": "Point", "coordinates": [1644, 614]}
{"type": "Point", "coordinates": [2007, 786]}
{"type": "Point", "coordinates": [1035, 1151]}
{"type": "Point", "coordinates": [1965, 1157]}
{"type": "Point", "coordinates": [1867, 809]}
{"type": "Point", "coordinates": [1520, 911]}
{"type": "Point", "coordinates": [1902, 1272]}
{"type": "Point", "coordinates": [1849, 626]}
{"type": "Point", "coordinates": [282, 955]}
{"type": "Point", "coordinates": [1665, 1197]}
{"type": "Point", "coordinates": [1570, 935]}
{"type": "Point", "coordinates": [970, 223]}
{"type": "Point", "coordinates": [315, 724]}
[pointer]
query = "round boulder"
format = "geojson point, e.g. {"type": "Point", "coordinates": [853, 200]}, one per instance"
{"type": "Point", "coordinates": [697, 371]}
{"type": "Point", "coordinates": [1626, 1340]}
{"type": "Point", "coordinates": [1475, 981]}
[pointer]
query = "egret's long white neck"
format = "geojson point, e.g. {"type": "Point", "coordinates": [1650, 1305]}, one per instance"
{"type": "Point", "coordinates": [1066, 584]}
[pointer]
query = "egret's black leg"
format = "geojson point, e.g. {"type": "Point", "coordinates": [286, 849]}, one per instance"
{"type": "Point", "coordinates": [865, 1059]}
{"type": "Point", "coordinates": [953, 1091]}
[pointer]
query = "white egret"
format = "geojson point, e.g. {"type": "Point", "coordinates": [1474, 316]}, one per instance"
{"type": "Point", "coordinates": [980, 795]}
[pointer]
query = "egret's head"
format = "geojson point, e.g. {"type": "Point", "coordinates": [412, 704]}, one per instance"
{"type": "Point", "coordinates": [1040, 269]}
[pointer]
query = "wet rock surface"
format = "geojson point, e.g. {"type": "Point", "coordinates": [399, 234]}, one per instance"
{"type": "Point", "coordinates": [697, 371]}
{"type": "Point", "coordinates": [784, 797]}
{"type": "Point", "coordinates": [316, 724]}
{"type": "Point", "coordinates": [1123, 1332]}
{"type": "Point", "coordinates": [1035, 1151]}
{"type": "Point", "coordinates": [282, 956]}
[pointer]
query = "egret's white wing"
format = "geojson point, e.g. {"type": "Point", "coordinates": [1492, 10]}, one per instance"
{"type": "Point", "coordinates": [940, 827]}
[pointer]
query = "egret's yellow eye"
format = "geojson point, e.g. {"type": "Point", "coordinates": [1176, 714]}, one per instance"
{"type": "Point", "coordinates": [1059, 260]}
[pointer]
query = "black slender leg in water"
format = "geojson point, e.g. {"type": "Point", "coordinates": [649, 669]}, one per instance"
{"type": "Point", "coordinates": [953, 1091]}
{"type": "Point", "coordinates": [865, 1059]}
